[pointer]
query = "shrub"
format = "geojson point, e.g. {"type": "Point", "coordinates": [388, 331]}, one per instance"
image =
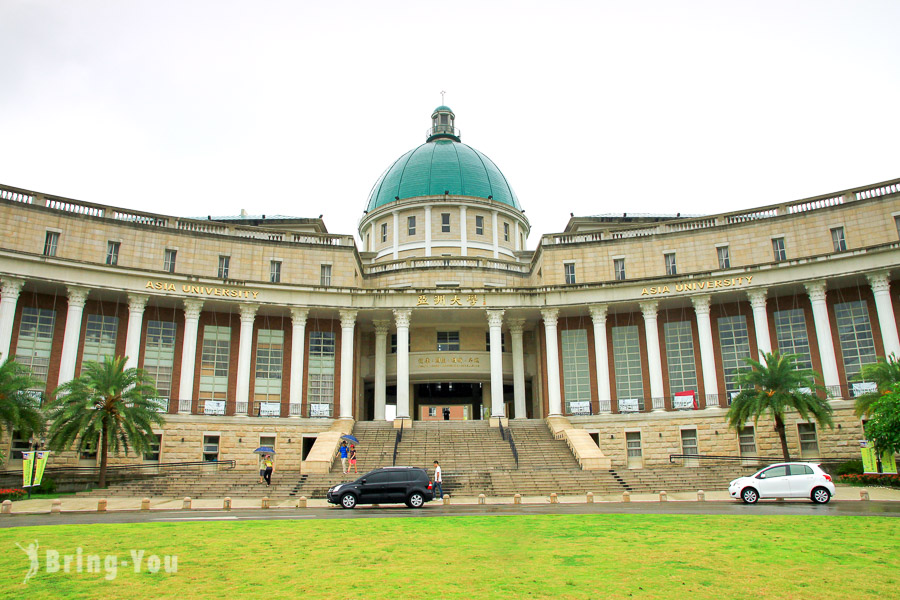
{"type": "Point", "coordinates": [48, 486]}
{"type": "Point", "coordinates": [849, 467]}
{"type": "Point", "coordinates": [884, 479]}
{"type": "Point", "coordinates": [12, 494]}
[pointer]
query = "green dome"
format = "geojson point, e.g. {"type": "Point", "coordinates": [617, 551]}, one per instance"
{"type": "Point", "coordinates": [440, 166]}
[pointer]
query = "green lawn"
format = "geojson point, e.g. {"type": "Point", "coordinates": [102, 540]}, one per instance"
{"type": "Point", "coordinates": [553, 556]}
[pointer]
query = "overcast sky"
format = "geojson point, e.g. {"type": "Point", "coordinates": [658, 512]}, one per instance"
{"type": "Point", "coordinates": [207, 107]}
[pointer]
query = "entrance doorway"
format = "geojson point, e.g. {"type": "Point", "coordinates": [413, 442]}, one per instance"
{"type": "Point", "coordinates": [447, 401]}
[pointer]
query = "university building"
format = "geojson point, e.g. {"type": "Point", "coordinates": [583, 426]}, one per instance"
{"type": "Point", "coordinates": [625, 332]}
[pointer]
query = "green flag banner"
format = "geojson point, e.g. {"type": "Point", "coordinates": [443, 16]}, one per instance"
{"type": "Point", "coordinates": [870, 463]}
{"type": "Point", "coordinates": [27, 468]}
{"type": "Point", "coordinates": [40, 464]}
{"type": "Point", "coordinates": [888, 464]}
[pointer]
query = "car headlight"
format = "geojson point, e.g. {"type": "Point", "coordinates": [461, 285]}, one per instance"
{"type": "Point", "coordinates": [335, 489]}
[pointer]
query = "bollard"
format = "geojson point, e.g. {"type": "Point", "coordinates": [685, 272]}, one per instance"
{"type": "Point", "coordinates": [864, 494]}
{"type": "Point", "coordinates": [301, 503]}
{"type": "Point", "coordinates": [56, 507]}
{"type": "Point", "coordinates": [481, 498]}
{"type": "Point", "coordinates": [6, 507]}
{"type": "Point", "coordinates": [590, 498]}
{"type": "Point", "coordinates": [626, 496]}
{"type": "Point", "coordinates": [101, 505]}
{"type": "Point", "coordinates": [265, 502]}
{"type": "Point", "coordinates": [663, 496]}
{"type": "Point", "coordinates": [186, 503]}
{"type": "Point", "coordinates": [701, 495]}
{"type": "Point", "coordinates": [226, 504]}
{"type": "Point", "coordinates": [446, 499]}
{"type": "Point", "coordinates": [553, 498]}
{"type": "Point", "coordinates": [145, 504]}
{"type": "Point", "coordinates": [517, 499]}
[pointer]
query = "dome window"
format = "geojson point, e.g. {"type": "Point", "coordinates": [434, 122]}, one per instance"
{"type": "Point", "coordinates": [443, 124]}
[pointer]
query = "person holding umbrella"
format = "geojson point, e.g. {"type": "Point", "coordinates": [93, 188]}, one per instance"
{"type": "Point", "coordinates": [353, 458]}
{"type": "Point", "coordinates": [269, 465]}
{"type": "Point", "coordinates": [266, 453]}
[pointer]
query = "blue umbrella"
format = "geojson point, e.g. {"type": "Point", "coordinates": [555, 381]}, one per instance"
{"type": "Point", "coordinates": [350, 438]}
{"type": "Point", "coordinates": [264, 450]}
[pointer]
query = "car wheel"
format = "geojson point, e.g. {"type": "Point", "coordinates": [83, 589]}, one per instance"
{"type": "Point", "coordinates": [749, 495]}
{"type": "Point", "coordinates": [416, 500]}
{"type": "Point", "coordinates": [348, 500]}
{"type": "Point", "coordinates": [820, 495]}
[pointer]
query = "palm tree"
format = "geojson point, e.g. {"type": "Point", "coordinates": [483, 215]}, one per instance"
{"type": "Point", "coordinates": [886, 375]}
{"type": "Point", "coordinates": [107, 402]}
{"type": "Point", "coordinates": [19, 409]}
{"type": "Point", "coordinates": [776, 386]}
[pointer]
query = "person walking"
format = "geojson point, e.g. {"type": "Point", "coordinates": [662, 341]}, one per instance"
{"type": "Point", "coordinates": [438, 480]}
{"type": "Point", "coordinates": [353, 458]}
{"type": "Point", "coordinates": [342, 452]}
{"type": "Point", "coordinates": [269, 465]}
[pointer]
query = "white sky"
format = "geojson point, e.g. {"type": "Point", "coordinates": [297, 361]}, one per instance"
{"type": "Point", "coordinates": [206, 107]}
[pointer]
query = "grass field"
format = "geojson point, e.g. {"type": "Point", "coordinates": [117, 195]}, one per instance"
{"type": "Point", "coordinates": [553, 556]}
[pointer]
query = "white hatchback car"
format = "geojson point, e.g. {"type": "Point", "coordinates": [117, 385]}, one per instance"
{"type": "Point", "coordinates": [785, 480]}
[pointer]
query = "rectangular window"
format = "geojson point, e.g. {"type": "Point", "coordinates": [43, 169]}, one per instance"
{"type": "Point", "coordinates": [897, 224]}
{"type": "Point", "coordinates": [169, 262]}
{"type": "Point", "coordinates": [487, 341]}
{"type": "Point", "coordinates": [411, 225]}
{"type": "Point", "coordinates": [210, 448]}
{"type": "Point", "coordinates": [269, 364]}
{"type": "Point", "coordinates": [448, 341]}
{"type": "Point", "coordinates": [506, 232]}
{"type": "Point", "coordinates": [152, 453]}
{"type": "Point", "coordinates": [479, 225]}
{"type": "Point", "coordinates": [320, 386]}
{"type": "Point", "coordinates": [89, 452]}
{"type": "Point", "coordinates": [432, 411]}
{"type": "Point", "coordinates": [855, 335]}
{"type": "Point", "coordinates": [384, 232]}
{"type": "Point", "coordinates": [36, 340]}
{"type": "Point", "coordinates": [569, 269]}
{"type": "Point", "coordinates": [112, 253]}
{"type": "Point", "coordinates": [809, 444]}
{"type": "Point", "coordinates": [214, 369]}
{"type": "Point", "coordinates": [689, 442]}
{"type": "Point", "coordinates": [724, 257]}
{"type": "Point", "coordinates": [394, 343]}
{"type": "Point", "coordinates": [445, 222]}
{"type": "Point", "coordinates": [837, 238]}
{"type": "Point", "coordinates": [633, 446]}
{"type": "Point", "coordinates": [790, 332]}
{"type": "Point", "coordinates": [619, 268]}
{"type": "Point", "coordinates": [671, 268]}
{"type": "Point", "coordinates": [747, 441]}
{"type": "Point", "coordinates": [275, 271]}
{"type": "Point", "coordinates": [576, 371]}
{"type": "Point", "coordinates": [51, 241]}
{"type": "Point", "coordinates": [99, 339]}
{"type": "Point", "coordinates": [224, 262]}
{"type": "Point", "coordinates": [159, 355]}
{"type": "Point", "coordinates": [682, 368]}
{"type": "Point", "coordinates": [778, 249]}
{"type": "Point", "coordinates": [325, 275]}
{"type": "Point", "coordinates": [19, 445]}
{"type": "Point", "coordinates": [627, 363]}
{"type": "Point", "coordinates": [734, 342]}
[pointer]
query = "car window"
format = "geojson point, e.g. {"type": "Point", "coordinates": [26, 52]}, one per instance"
{"type": "Point", "coordinates": [397, 476]}
{"type": "Point", "coordinates": [779, 471]}
{"type": "Point", "coordinates": [381, 477]}
{"type": "Point", "coordinates": [801, 470]}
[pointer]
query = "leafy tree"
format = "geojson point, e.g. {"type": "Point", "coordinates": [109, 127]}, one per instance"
{"type": "Point", "coordinates": [886, 375]}
{"type": "Point", "coordinates": [883, 428]}
{"type": "Point", "coordinates": [108, 403]}
{"type": "Point", "coordinates": [773, 388]}
{"type": "Point", "coordinates": [19, 409]}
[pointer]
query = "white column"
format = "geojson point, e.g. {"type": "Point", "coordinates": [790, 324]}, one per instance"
{"type": "Point", "coordinates": [760, 321]}
{"type": "Point", "coordinates": [654, 362]}
{"type": "Point", "coordinates": [402, 317]}
{"type": "Point", "coordinates": [11, 289]}
{"type": "Point", "coordinates": [245, 348]}
{"type": "Point", "coordinates": [464, 240]}
{"type": "Point", "coordinates": [371, 244]}
{"type": "Point", "coordinates": [192, 310]}
{"type": "Point", "coordinates": [516, 327]}
{"type": "Point", "coordinates": [495, 322]}
{"type": "Point", "coordinates": [598, 315]}
{"type": "Point", "coordinates": [136, 304]}
{"type": "Point", "coordinates": [298, 352]}
{"type": "Point", "coordinates": [881, 289]}
{"type": "Point", "coordinates": [382, 326]}
{"type": "Point", "coordinates": [816, 291]}
{"type": "Point", "coordinates": [518, 245]}
{"type": "Point", "coordinates": [496, 234]}
{"type": "Point", "coordinates": [428, 231]}
{"type": "Point", "coordinates": [396, 234]}
{"type": "Point", "coordinates": [348, 321]}
{"type": "Point", "coordinates": [707, 356]}
{"type": "Point", "coordinates": [77, 298]}
{"type": "Point", "coordinates": [553, 399]}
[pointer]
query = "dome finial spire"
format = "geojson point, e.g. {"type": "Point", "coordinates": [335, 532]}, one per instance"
{"type": "Point", "coordinates": [442, 97]}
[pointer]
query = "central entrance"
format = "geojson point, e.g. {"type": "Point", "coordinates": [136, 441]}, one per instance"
{"type": "Point", "coordinates": [450, 401]}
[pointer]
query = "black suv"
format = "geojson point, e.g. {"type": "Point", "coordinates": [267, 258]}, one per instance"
{"type": "Point", "coordinates": [383, 486]}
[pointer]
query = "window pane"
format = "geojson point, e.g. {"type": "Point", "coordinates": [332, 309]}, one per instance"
{"type": "Point", "coordinates": [576, 371]}
{"type": "Point", "coordinates": [99, 338]}
{"type": "Point", "coordinates": [448, 341]}
{"type": "Point", "coordinates": [269, 364]}
{"type": "Point", "coordinates": [790, 331]}
{"type": "Point", "coordinates": [320, 382]}
{"type": "Point", "coordinates": [159, 355]}
{"type": "Point", "coordinates": [627, 360]}
{"type": "Point", "coordinates": [679, 342]}
{"type": "Point", "coordinates": [36, 340]}
{"type": "Point", "coordinates": [855, 335]}
{"type": "Point", "coordinates": [735, 346]}
{"type": "Point", "coordinates": [214, 360]}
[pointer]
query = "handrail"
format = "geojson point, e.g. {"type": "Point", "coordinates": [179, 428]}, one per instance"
{"type": "Point", "coordinates": [759, 459]}
{"type": "Point", "coordinates": [500, 423]}
{"type": "Point", "coordinates": [512, 446]}
{"type": "Point", "coordinates": [397, 443]}
{"type": "Point", "coordinates": [117, 468]}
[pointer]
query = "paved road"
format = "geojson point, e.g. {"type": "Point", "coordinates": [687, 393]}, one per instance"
{"type": "Point", "coordinates": [834, 508]}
